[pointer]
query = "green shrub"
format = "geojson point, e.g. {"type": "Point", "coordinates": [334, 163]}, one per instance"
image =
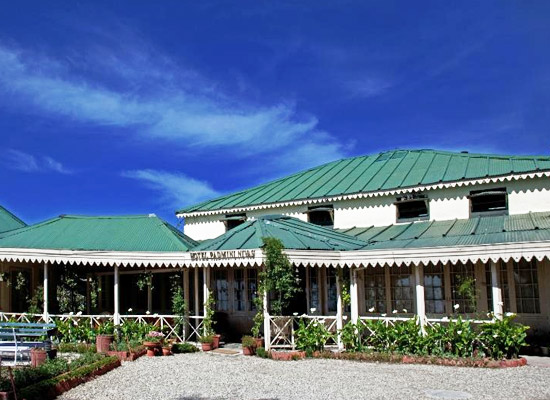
{"type": "Point", "coordinates": [42, 389]}
{"type": "Point", "coordinates": [248, 341]}
{"type": "Point", "coordinates": [85, 359]}
{"type": "Point", "coordinates": [75, 348]}
{"type": "Point", "coordinates": [134, 331]}
{"type": "Point", "coordinates": [261, 352]}
{"type": "Point", "coordinates": [503, 338]}
{"type": "Point", "coordinates": [74, 330]}
{"type": "Point", "coordinates": [180, 348]}
{"type": "Point", "coordinates": [311, 335]}
{"type": "Point", "coordinates": [27, 376]}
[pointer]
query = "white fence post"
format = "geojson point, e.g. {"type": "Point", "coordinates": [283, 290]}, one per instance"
{"type": "Point", "coordinates": [339, 308]}
{"type": "Point", "coordinates": [267, 322]}
{"type": "Point", "coordinates": [497, 290]}
{"type": "Point", "coordinates": [45, 291]}
{"type": "Point", "coordinates": [353, 291]}
{"type": "Point", "coordinates": [116, 313]}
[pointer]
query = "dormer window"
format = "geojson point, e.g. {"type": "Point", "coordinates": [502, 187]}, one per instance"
{"type": "Point", "coordinates": [321, 215]}
{"type": "Point", "coordinates": [412, 207]}
{"type": "Point", "coordinates": [233, 220]}
{"type": "Point", "coordinates": [489, 202]}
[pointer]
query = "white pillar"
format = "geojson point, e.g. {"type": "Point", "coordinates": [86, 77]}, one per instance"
{"type": "Point", "coordinates": [267, 322]}
{"type": "Point", "coordinates": [186, 299]}
{"type": "Point", "coordinates": [196, 281]}
{"type": "Point", "coordinates": [420, 301]}
{"type": "Point", "coordinates": [116, 313]}
{"type": "Point", "coordinates": [205, 289]}
{"type": "Point", "coordinates": [497, 290]}
{"type": "Point", "coordinates": [45, 289]}
{"type": "Point", "coordinates": [339, 307]}
{"type": "Point", "coordinates": [149, 294]}
{"type": "Point", "coordinates": [308, 299]}
{"type": "Point", "coordinates": [353, 292]}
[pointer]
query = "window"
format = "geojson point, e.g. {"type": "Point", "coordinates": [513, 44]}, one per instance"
{"type": "Point", "coordinates": [463, 287]}
{"type": "Point", "coordinates": [313, 288]}
{"type": "Point", "coordinates": [503, 276]}
{"type": "Point", "coordinates": [375, 290]}
{"type": "Point", "coordinates": [527, 287]}
{"type": "Point", "coordinates": [412, 207]}
{"type": "Point", "coordinates": [434, 289]}
{"type": "Point", "coordinates": [489, 202]}
{"type": "Point", "coordinates": [401, 289]}
{"type": "Point", "coordinates": [238, 290]}
{"type": "Point", "coordinates": [233, 220]}
{"type": "Point", "coordinates": [321, 215]}
{"type": "Point", "coordinates": [221, 292]}
{"type": "Point", "coordinates": [252, 288]}
{"type": "Point", "coordinates": [331, 289]}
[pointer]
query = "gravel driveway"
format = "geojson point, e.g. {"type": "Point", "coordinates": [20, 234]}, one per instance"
{"type": "Point", "coordinates": [214, 376]}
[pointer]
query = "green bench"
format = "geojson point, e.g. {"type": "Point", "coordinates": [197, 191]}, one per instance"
{"type": "Point", "coordinates": [20, 337]}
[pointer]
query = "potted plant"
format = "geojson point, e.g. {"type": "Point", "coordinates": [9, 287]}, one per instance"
{"type": "Point", "coordinates": [153, 342]}
{"type": "Point", "coordinates": [206, 342]}
{"type": "Point", "coordinates": [249, 345]}
{"type": "Point", "coordinates": [105, 336]}
{"type": "Point", "coordinates": [38, 356]}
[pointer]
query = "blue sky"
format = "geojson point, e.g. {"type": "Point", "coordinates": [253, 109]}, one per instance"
{"type": "Point", "coordinates": [136, 106]}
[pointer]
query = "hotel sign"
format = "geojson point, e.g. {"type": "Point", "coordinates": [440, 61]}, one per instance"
{"type": "Point", "coordinates": [222, 255]}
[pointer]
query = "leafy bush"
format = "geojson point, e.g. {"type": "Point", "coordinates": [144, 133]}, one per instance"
{"type": "Point", "coordinates": [503, 338]}
{"type": "Point", "coordinates": [134, 331]}
{"type": "Point", "coordinates": [76, 348]}
{"type": "Point", "coordinates": [311, 335]}
{"type": "Point", "coordinates": [180, 348]}
{"type": "Point", "coordinates": [75, 330]}
{"type": "Point", "coordinates": [85, 359]}
{"type": "Point", "coordinates": [459, 338]}
{"type": "Point", "coordinates": [27, 376]}
{"type": "Point", "coordinates": [248, 341]}
{"type": "Point", "coordinates": [41, 389]}
{"type": "Point", "coordinates": [261, 352]}
{"type": "Point", "coordinates": [206, 339]}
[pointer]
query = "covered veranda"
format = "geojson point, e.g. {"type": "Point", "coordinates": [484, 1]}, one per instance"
{"type": "Point", "coordinates": [396, 273]}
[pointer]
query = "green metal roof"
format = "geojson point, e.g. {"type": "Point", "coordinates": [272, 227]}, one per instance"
{"type": "Point", "coordinates": [294, 233]}
{"type": "Point", "coordinates": [8, 221]}
{"type": "Point", "coordinates": [120, 233]}
{"type": "Point", "coordinates": [530, 227]}
{"type": "Point", "coordinates": [384, 171]}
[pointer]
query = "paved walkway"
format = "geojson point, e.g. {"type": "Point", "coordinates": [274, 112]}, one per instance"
{"type": "Point", "coordinates": [210, 376]}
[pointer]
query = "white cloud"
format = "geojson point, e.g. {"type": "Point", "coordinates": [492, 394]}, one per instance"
{"type": "Point", "coordinates": [25, 162]}
{"type": "Point", "coordinates": [367, 87]}
{"type": "Point", "coordinates": [157, 100]}
{"type": "Point", "coordinates": [176, 190]}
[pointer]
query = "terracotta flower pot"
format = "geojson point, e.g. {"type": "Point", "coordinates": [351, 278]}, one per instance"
{"type": "Point", "coordinates": [206, 346]}
{"type": "Point", "coordinates": [216, 342]}
{"type": "Point", "coordinates": [38, 357]}
{"type": "Point", "coordinates": [259, 342]}
{"type": "Point", "coordinates": [166, 351]}
{"type": "Point", "coordinates": [153, 348]}
{"type": "Point", "coordinates": [103, 343]}
{"type": "Point", "coordinates": [248, 351]}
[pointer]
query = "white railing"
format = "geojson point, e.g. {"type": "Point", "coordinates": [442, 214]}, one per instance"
{"type": "Point", "coordinates": [283, 327]}
{"type": "Point", "coordinates": [165, 322]}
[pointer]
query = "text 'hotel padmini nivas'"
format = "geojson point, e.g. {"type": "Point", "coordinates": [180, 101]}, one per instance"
{"type": "Point", "coordinates": [398, 231]}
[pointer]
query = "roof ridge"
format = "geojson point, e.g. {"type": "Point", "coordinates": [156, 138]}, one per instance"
{"type": "Point", "coordinates": [12, 215]}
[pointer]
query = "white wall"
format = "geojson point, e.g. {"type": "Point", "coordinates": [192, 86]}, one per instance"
{"type": "Point", "coordinates": [445, 204]}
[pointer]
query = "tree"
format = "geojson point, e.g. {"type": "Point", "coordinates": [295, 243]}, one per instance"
{"type": "Point", "coordinates": [278, 276]}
